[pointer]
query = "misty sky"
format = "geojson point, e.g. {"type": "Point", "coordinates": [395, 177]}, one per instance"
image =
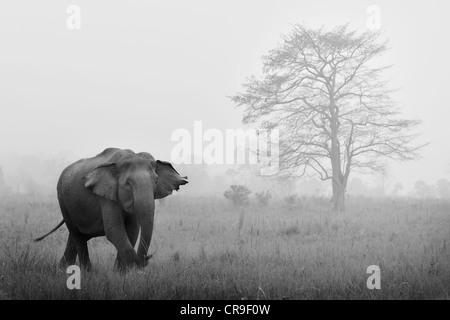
{"type": "Point", "coordinates": [138, 70]}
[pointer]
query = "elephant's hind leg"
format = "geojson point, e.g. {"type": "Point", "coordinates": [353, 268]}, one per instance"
{"type": "Point", "coordinates": [70, 254]}
{"type": "Point", "coordinates": [76, 243]}
{"type": "Point", "coordinates": [80, 243]}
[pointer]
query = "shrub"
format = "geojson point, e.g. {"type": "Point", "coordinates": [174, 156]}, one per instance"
{"type": "Point", "coordinates": [291, 200]}
{"type": "Point", "coordinates": [263, 197]}
{"type": "Point", "coordinates": [238, 194]}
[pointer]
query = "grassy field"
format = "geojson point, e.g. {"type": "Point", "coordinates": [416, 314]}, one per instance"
{"type": "Point", "coordinates": [206, 248]}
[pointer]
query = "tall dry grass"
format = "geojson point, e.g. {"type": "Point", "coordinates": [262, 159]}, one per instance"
{"type": "Point", "coordinates": [206, 248]}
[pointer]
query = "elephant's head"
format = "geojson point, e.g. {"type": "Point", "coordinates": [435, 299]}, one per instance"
{"type": "Point", "coordinates": [134, 182]}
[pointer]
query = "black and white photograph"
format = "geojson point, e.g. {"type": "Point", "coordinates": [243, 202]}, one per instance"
{"type": "Point", "coordinates": [243, 152]}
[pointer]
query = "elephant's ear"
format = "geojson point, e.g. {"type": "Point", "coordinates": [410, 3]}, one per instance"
{"type": "Point", "coordinates": [103, 182]}
{"type": "Point", "coordinates": [168, 179]}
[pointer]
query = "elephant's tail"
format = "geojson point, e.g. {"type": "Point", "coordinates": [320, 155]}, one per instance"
{"type": "Point", "coordinates": [54, 229]}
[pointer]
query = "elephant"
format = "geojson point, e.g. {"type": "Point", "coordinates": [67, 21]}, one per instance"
{"type": "Point", "coordinates": [113, 194]}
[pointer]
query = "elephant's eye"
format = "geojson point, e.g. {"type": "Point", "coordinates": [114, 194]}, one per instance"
{"type": "Point", "coordinates": [127, 186]}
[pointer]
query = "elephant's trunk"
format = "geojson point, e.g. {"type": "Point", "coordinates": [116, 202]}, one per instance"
{"type": "Point", "coordinates": [145, 209]}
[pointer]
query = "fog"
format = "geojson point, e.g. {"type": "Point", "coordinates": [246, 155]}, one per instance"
{"type": "Point", "coordinates": [136, 72]}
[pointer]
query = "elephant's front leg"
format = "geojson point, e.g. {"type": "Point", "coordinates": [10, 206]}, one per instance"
{"type": "Point", "coordinates": [132, 229]}
{"type": "Point", "coordinates": [114, 226]}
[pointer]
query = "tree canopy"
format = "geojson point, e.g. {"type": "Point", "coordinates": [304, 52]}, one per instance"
{"type": "Point", "coordinates": [325, 92]}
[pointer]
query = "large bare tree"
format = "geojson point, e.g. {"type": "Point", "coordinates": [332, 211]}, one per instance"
{"type": "Point", "coordinates": [328, 96]}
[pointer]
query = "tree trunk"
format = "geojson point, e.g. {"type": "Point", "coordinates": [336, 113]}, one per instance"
{"type": "Point", "coordinates": [339, 181]}
{"type": "Point", "coordinates": [338, 198]}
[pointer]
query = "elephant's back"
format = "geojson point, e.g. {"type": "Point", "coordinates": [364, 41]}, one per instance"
{"type": "Point", "coordinates": [72, 174]}
{"type": "Point", "coordinates": [79, 206]}
{"type": "Point", "coordinates": [75, 173]}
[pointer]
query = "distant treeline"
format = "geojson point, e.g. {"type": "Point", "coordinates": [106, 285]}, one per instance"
{"type": "Point", "coordinates": [34, 176]}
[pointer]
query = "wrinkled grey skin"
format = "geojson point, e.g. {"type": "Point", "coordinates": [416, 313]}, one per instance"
{"type": "Point", "coordinates": [113, 194]}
